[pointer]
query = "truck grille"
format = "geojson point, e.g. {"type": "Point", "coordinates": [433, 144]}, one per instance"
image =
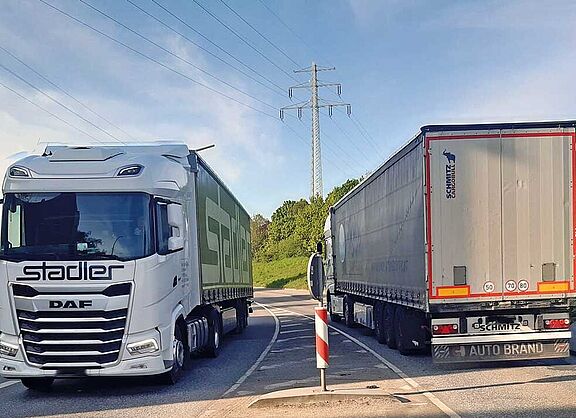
{"type": "Point", "coordinates": [72, 338]}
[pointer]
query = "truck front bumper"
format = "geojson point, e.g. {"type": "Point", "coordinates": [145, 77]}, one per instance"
{"type": "Point", "coordinates": [137, 364]}
{"type": "Point", "coordinates": [143, 366]}
{"type": "Point", "coordinates": [477, 348]}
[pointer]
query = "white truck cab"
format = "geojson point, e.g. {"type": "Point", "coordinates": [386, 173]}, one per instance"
{"type": "Point", "coordinates": [117, 261]}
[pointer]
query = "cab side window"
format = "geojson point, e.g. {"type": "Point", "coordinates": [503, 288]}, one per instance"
{"type": "Point", "coordinates": [162, 227]}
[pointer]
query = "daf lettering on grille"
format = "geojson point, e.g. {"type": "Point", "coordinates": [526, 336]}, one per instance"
{"type": "Point", "coordinates": [69, 304]}
{"type": "Point", "coordinates": [80, 271]}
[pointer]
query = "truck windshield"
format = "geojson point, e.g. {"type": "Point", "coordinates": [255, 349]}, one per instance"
{"type": "Point", "coordinates": [76, 226]}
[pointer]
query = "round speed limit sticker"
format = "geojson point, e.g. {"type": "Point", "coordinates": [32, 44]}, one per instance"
{"type": "Point", "coordinates": [523, 285]}
{"type": "Point", "coordinates": [489, 287]}
{"type": "Point", "coordinates": [510, 285]}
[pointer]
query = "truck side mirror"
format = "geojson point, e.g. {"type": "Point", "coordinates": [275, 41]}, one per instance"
{"type": "Point", "coordinates": [316, 276]}
{"type": "Point", "coordinates": [176, 222]}
{"type": "Point", "coordinates": [319, 247]}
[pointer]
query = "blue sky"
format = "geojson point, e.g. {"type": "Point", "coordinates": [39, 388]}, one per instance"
{"type": "Point", "coordinates": [402, 64]}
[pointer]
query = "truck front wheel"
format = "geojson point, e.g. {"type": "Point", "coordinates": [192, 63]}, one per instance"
{"type": "Point", "coordinates": [179, 355]}
{"type": "Point", "coordinates": [40, 384]}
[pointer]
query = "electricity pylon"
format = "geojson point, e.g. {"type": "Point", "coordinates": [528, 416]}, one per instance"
{"type": "Point", "coordinates": [315, 103]}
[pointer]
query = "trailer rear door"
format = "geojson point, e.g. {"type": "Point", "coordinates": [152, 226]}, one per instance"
{"type": "Point", "coordinates": [499, 214]}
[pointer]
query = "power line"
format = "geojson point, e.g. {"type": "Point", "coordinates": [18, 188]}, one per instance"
{"type": "Point", "coordinates": [209, 74]}
{"type": "Point", "coordinates": [59, 103]}
{"type": "Point", "coordinates": [244, 40]}
{"type": "Point", "coordinates": [167, 67]}
{"type": "Point", "coordinates": [65, 92]}
{"type": "Point", "coordinates": [368, 137]}
{"type": "Point", "coordinates": [344, 157]}
{"type": "Point", "coordinates": [346, 133]}
{"type": "Point", "coordinates": [304, 141]}
{"type": "Point", "coordinates": [292, 31]}
{"type": "Point", "coordinates": [259, 33]}
{"type": "Point", "coordinates": [50, 113]}
{"type": "Point", "coordinates": [175, 16]}
{"type": "Point", "coordinates": [203, 49]}
{"type": "Point", "coordinates": [364, 134]}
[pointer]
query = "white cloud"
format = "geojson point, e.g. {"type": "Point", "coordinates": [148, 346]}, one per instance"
{"type": "Point", "coordinates": [143, 99]}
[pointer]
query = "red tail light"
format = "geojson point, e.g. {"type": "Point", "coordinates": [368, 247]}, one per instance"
{"type": "Point", "coordinates": [445, 329]}
{"type": "Point", "coordinates": [556, 324]}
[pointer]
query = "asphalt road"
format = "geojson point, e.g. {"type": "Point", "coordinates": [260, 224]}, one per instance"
{"type": "Point", "coordinates": [277, 352]}
{"type": "Point", "coordinates": [544, 388]}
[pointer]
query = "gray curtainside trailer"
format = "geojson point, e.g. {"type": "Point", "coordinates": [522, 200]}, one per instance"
{"type": "Point", "coordinates": [462, 240]}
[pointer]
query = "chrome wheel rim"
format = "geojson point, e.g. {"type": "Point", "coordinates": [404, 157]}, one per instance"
{"type": "Point", "coordinates": [216, 338]}
{"type": "Point", "coordinates": [178, 347]}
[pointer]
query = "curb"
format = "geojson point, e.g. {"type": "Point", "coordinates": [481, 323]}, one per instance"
{"type": "Point", "coordinates": [301, 396]}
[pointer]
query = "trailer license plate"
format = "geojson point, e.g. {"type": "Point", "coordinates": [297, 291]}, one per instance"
{"type": "Point", "coordinates": [500, 351]}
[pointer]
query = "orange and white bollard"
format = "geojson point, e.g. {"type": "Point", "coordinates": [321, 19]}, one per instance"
{"type": "Point", "coordinates": [322, 352]}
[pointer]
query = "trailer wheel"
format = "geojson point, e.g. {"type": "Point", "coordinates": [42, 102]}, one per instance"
{"type": "Point", "coordinates": [348, 311]}
{"type": "Point", "coordinates": [241, 316]}
{"type": "Point", "coordinates": [179, 355]}
{"type": "Point", "coordinates": [379, 329]}
{"type": "Point", "coordinates": [334, 317]}
{"type": "Point", "coordinates": [401, 331]}
{"type": "Point", "coordinates": [410, 335]}
{"type": "Point", "coordinates": [390, 325]}
{"type": "Point", "coordinates": [39, 384]}
{"type": "Point", "coordinates": [214, 334]}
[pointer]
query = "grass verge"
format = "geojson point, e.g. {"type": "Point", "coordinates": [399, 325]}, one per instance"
{"type": "Point", "coordinates": [288, 273]}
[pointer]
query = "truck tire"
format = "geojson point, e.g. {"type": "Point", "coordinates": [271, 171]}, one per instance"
{"type": "Point", "coordinates": [379, 329]}
{"type": "Point", "coordinates": [348, 311]}
{"type": "Point", "coordinates": [39, 384]}
{"type": "Point", "coordinates": [402, 343]}
{"type": "Point", "coordinates": [410, 335]}
{"type": "Point", "coordinates": [241, 316]}
{"type": "Point", "coordinates": [179, 355]}
{"type": "Point", "coordinates": [334, 317]}
{"type": "Point", "coordinates": [214, 334]}
{"type": "Point", "coordinates": [390, 325]}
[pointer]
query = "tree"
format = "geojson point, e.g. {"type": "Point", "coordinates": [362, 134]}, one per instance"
{"type": "Point", "coordinates": [259, 234]}
{"type": "Point", "coordinates": [339, 192]}
{"type": "Point", "coordinates": [295, 227]}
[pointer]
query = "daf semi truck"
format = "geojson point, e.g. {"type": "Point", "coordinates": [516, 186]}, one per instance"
{"type": "Point", "coordinates": [118, 261]}
{"type": "Point", "coordinates": [463, 241]}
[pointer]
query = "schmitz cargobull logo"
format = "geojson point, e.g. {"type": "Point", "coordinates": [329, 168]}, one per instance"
{"type": "Point", "coordinates": [80, 271]}
{"type": "Point", "coordinates": [450, 175]}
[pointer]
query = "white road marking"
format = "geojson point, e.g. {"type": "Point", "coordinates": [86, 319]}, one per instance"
{"type": "Point", "coordinates": [262, 355]}
{"type": "Point", "coordinates": [292, 331]}
{"type": "Point", "coordinates": [296, 338]}
{"type": "Point", "coordinates": [302, 347]}
{"type": "Point", "coordinates": [291, 325]}
{"type": "Point", "coordinates": [431, 397]}
{"type": "Point", "coordinates": [9, 383]}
